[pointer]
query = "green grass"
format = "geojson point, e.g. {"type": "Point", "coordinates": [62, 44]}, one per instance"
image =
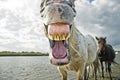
{"type": "Point", "coordinates": [23, 53]}
{"type": "Point", "coordinates": [8, 53]}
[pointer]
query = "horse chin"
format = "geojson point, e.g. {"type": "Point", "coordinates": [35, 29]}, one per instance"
{"type": "Point", "coordinates": [61, 61]}
{"type": "Point", "coordinates": [58, 35]}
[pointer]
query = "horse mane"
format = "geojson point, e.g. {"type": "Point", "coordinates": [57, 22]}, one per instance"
{"type": "Point", "coordinates": [109, 45]}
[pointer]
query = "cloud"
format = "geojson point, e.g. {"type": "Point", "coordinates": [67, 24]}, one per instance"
{"type": "Point", "coordinates": [100, 18]}
{"type": "Point", "coordinates": [21, 27]}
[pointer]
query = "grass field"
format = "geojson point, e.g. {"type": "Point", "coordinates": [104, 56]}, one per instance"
{"type": "Point", "coordinates": [8, 53]}
{"type": "Point", "coordinates": [23, 53]}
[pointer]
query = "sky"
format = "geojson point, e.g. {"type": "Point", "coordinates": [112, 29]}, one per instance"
{"type": "Point", "coordinates": [21, 27]}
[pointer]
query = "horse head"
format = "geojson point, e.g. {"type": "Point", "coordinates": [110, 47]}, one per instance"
{"type": "Point", "coordinates": [58, 17]}
{"type": "Point", "coordinates": [101, 43]}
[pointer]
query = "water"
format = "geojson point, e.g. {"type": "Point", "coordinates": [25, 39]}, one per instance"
{"type": "Point", "coordinates": [31, 68]}
{"type": "Point", "coordinates": [25, 68]}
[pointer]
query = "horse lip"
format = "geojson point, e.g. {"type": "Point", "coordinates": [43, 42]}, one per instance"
{"type": "Point", "coordinates": [65, 37]}
{"type": "Point", "coordinates": [60, 62]}
{"type": "Point", "coordinates": [46, 26]}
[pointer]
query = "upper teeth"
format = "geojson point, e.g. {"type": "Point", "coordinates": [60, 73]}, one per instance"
{"type": "Point", "coordinates": [59, 37]}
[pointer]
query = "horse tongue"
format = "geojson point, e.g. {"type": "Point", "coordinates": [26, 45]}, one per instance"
{"type": "Point", "coordinates": [59, 51]}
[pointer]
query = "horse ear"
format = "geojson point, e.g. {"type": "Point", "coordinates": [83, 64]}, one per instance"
{"type": "Point", "coordinates": [97, 38]}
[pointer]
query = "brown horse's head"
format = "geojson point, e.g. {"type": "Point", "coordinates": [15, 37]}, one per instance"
{"type": "Point", "coordinates": [101, 42]}
{"type": "Point", "coordinates": [58, 17]}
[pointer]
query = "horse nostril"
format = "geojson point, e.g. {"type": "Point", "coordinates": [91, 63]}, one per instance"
{"type": "Point", "coordinates": [60, 10]}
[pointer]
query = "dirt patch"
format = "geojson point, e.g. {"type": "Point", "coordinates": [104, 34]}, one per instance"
{"type": "Point", "coordinates": [115, 74]}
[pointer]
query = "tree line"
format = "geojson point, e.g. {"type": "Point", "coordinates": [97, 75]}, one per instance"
{"type": "Point", "coordinates": [22, 53]}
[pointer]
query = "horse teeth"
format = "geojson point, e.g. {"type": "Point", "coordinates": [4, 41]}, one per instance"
{"type": "Point", "coordinates": [63, 37]}
{"type": "Point", "coordinates": [57, 37]}
{"type": "Point", "coordinates": [68, 36]}
{"type": "Point", "coordinates": [51, 37]}
{"type": "Point", "coordinates": [54, 37]}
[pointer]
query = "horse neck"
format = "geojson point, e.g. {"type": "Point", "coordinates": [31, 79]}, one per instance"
{"type": "Point", "coordinates": [74, 40]}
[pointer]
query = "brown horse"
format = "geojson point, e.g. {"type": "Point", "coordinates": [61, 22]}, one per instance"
{"type": "Point", "coordinates": [106, 54]}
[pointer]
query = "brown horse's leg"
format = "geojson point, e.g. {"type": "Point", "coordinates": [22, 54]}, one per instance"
{"type": "Point", "coordinates": [106, 66]}
{"type": "Point", "coordinates": [63, 73]}
{"type": "Point", "coordinates": [102, 67]}
{"type": "Point", "coordinates": [109, 70]}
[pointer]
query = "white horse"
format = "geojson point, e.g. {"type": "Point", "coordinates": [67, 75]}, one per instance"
{"type": "Point", "coordinates": [69, 49]}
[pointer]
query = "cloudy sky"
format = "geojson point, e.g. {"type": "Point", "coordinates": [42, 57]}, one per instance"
{"type": "Point", "coordinates": [21, 27]}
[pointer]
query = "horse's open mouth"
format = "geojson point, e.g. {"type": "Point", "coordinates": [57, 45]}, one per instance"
{"type": "Point", "coordinates": [58, 34]}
